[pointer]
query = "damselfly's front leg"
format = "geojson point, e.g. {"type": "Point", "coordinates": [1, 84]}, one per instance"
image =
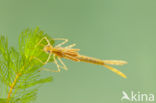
{"type": "Point", "coordinates": [64, 41]}
{"type": "Point", "coordinates": [42, 61]}
{"type": "Point", "coordinates": [44, 38]}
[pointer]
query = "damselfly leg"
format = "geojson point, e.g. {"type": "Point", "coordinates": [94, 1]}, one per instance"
{"type": "Point", "coordinates": [64, 41]}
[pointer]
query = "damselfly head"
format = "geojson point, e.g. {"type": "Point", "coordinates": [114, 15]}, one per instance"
{"type": "Point", "coordinates": [48, 48]}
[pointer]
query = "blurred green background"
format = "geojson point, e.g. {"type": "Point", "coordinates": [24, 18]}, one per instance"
{"type": "Point", "coordinates": [106, 29]}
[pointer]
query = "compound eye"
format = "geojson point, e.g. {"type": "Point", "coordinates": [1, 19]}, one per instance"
{"type": "Point", "coordinates": [48, 51]}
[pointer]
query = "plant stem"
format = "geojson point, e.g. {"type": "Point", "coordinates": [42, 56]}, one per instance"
{"type": "Point", "coordinates": [13, 84]}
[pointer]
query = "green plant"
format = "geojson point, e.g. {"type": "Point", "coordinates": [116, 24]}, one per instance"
{"type": "Point", "coordinates": [19, 72]}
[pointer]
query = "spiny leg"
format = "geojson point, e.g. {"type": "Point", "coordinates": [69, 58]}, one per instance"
{"type": "Point", "coordinates": [48, 58]}
{"type": "Point", "coordinates": [44, 38]}
{"type": "Point", "coordinates": [39, 43]}
{"type": "Point", "coordinates": [65, 41]}
{"type": "Point", "coordinates": [42, 61]}
{"type": "Point", "coordinates": [64, 66]}
{"type": "Point", "coordinates": [70, 46]}
{"type": "Point", "coordinates": [58, 66]}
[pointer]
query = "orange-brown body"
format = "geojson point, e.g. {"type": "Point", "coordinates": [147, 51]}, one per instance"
{"type": "Point", "coordinates": [72, 54]}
